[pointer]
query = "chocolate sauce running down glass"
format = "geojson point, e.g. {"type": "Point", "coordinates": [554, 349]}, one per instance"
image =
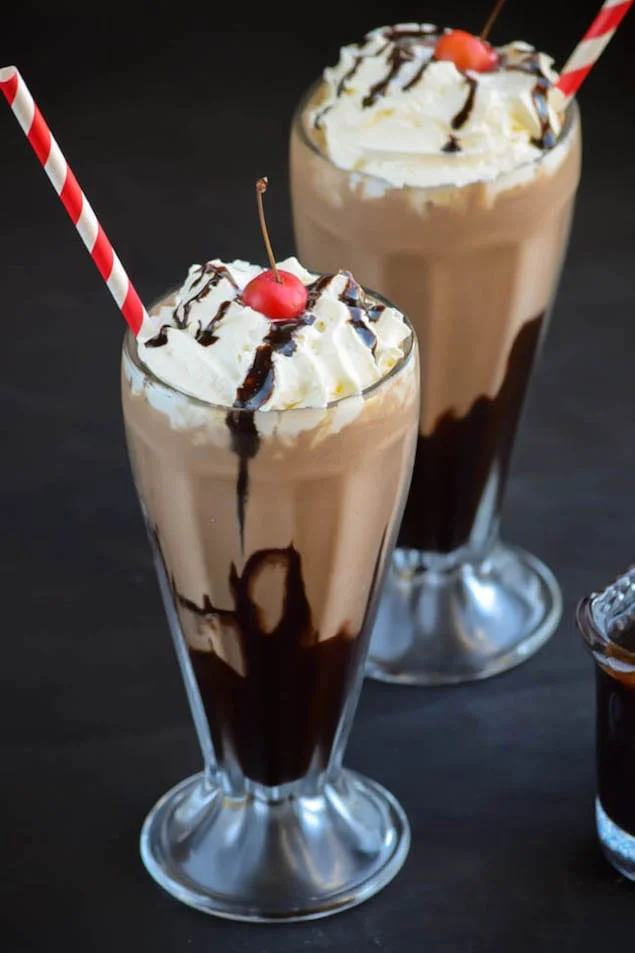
{"type": "Point", "coordinates": [476, 267]}
{"type": "Point", "coordinates": [607, 623]}
{"type": "Point", "coordinates": [293, 686]}
{"type": "Point", "coordinates": [454, 462]}
{"type": "Point", "coordinates": [271, 532]}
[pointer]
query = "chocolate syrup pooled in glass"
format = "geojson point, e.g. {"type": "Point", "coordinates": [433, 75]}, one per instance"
{"type": "Point", "coordinates": [279, 715]}
{"type": "Point", "coordinates": [454, 462]}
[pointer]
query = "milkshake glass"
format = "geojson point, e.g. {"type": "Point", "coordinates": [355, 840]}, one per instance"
{"type": "Point", "coordinates": [475, 261]}
{"type": "Point", "coordinates": [271, 531]}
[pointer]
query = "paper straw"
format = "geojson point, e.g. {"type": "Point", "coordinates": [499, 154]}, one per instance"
{"type": "Point", "coordinates": [75, 202]}
{"type": "Point", "coordinates": [592, 45]}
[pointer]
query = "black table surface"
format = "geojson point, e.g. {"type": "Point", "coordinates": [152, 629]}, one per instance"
{"type": "Point", "coordinates": [167, 125]}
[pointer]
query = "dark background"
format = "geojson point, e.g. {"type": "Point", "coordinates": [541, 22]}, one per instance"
{"type": "Point", "coordinates": [167, 114]}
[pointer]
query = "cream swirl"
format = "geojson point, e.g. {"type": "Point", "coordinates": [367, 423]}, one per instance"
{"type": "Point", "coordinates": [207, 343]}
{"type": "Point", "coordinates": [390, 109]}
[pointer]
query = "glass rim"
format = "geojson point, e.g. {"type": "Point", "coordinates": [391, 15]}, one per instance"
{"type": "Point", "coordinates": [131, 351]}
{"type": "Point", "coordinates": [572, 114]}
{"type": "Point", "coordinates": [599, 641]}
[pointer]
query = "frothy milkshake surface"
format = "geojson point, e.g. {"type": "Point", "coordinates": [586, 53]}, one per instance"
{"type": "Point", "coordinates": [390, 109]}
{"type": "Point", "coordinates": [206, 342]}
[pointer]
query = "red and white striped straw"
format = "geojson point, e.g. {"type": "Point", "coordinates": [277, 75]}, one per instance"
{"type": "Point", "coordinates": [75, 202]}
{"type": "Point", "coordinates": [592, 45]}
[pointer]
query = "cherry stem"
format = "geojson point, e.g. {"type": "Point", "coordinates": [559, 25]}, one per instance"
{"type": "Point", "coordinates": [498, 6]}
{"type": "Point", "coordinates": [261, 188]}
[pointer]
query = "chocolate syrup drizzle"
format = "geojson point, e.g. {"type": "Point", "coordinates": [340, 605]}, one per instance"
{"type": "Point", "coordinates": [206, 336]}
{"type": "Point", "coordinates": [347, 77]}
{"type": "Point", "coordinates": [216, 273]}
{"type": "Point", "coordinates": [415, 79]}
{"type": "Point", "coordinates": [160, 339]}
{"type": "Point", "coordinates": [426, 31]}
{"type": "Point", "coordinates": [404, 43]}
{"type": "Point", "coordinates": [257, 386]}
{"type": "Point", "coordinates": [452, 145]}
{"type": "Point", "coordinates": [254, 391]}
{"type": "Point", "coordinates": [181, 313]}
{"type": "Point", "coordinates": [317, 119]}
{"type": "Point", "coordinates": [355, 300]}
{"type": "Point", "coordinates": [398, 57]}
{"type": "Point", "coordinates": [547, 138]}
{"type": "Point", "coordinates": [245, 444]}
{"type": "Point", "coordinates": [531, 66]}
{"type": "Point", "coordinates": [466, 110]}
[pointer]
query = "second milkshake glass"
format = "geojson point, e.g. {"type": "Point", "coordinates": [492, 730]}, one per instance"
{"type": "Point", "coordinates": [476, 268]}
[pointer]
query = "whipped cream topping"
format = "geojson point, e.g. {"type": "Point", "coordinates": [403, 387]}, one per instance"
{"type": "Point", "coordinates": [207, 343]}
{"type": "Point", "coordinates": [389, 109]}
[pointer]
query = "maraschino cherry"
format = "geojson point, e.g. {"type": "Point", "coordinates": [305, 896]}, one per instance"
{"type": "Point", "coordinates": [468, 51]}
{"type": "Point", "coordinates": [277, 294]}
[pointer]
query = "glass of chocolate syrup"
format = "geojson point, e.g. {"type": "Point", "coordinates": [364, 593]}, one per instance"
{"type": "Point", "coordinates": [607, 623]}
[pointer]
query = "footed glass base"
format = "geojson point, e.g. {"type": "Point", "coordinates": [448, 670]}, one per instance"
{"type": "Point", "coordinates": [618, 845]}
{"type": "Point", "coordinates": [264, 859]}
{"type": "Point", "coordinates": [440, 624]}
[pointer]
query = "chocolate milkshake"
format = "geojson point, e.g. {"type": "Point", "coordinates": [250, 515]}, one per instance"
{"type": "Point", "coordinates": [450, 189]}
{"type": "Point", "coordinates": [272, 459]}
